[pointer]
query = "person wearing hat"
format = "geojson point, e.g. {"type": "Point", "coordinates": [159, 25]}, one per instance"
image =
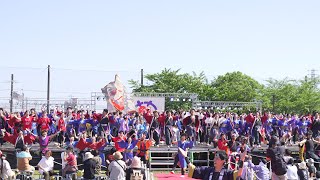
{"type": "Point", "coordinates": [135, 167]}
{"type": "Point", "coordinates": [117, 167]}
{"type": "Point", "coordinates": [23, 159]}
{"type": "Point", "coordinates": [303, 171]}
{"type": "Point", "coordinates": [218, 171]}
{"type": "Point", "coordinates": [89, 166]}
{"type": "Point", "coordinates": [6, 171]}
{"type": "Point", "coordinates": [311, 168]}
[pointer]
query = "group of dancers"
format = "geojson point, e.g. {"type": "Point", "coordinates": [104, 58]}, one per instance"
{"type": "Point", "coordinates": [92, 130]}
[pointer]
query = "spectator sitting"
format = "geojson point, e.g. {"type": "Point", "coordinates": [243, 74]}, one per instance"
{"type": "Point", "coordinates": [117, 167]}
{"type": "Point", "coordinates": [46, 165]}
{"type": "Point", "coordinates": [136, 170]}
{"type": "Point", "coordinates": [6, 171]}
{"type": "Point", "coordinates": [292, 171]}
{"type": "Point", "coordinates": [303, 171]}
{"type": "Point", "coordinates": [23, 159]}
{"type": "Point", "coordinates": [71, 165]}
{"type": "Point", "coordinates": [98, 161]}
{"type": "Point", "coordinates": [89, 166]}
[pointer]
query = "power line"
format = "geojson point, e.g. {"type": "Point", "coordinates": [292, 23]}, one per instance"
{"type": "Point", "coordinates": [20, 67]}
{"type": "Point", "coordinates": [93, 70]}
{"type": "Point", "coordinates": [62, 92]}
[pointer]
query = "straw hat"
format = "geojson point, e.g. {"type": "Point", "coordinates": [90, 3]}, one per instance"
{"type": "Point", "coordinates": [87, 156]}
{"type": "Point", "coordinates": [136, 162]}
{"type": "Point", "coordinates": [117, 155]}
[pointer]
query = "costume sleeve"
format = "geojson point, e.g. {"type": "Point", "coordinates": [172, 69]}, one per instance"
{"type": "Point", "coordinates": [197, 172]}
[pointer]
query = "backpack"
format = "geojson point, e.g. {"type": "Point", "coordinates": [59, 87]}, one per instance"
{"type": "Point", "coordinates": [136, 175]}
{"type": "Point", "coordinates": [279, 163]}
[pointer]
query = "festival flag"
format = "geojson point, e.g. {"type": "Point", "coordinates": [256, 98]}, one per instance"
{"type": "Point", "coordinates": [117, 97]}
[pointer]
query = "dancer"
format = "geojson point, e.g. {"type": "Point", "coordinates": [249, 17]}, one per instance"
{"type": "Point", "coordinates": [179, 157]}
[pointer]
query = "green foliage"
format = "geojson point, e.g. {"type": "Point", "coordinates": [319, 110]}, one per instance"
{"type": "Point", "coordinates": [236, 86]}
{"type": "Point", "coordinates": [280, 96]}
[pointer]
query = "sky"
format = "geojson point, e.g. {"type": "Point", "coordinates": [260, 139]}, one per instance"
{"type": "Point", "coordinates": [87, 42]}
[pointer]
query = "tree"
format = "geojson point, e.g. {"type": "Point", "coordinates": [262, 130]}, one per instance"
{"type": "Point", "coordinates": [235, 86]}
{"type": "Point", "coordinates": [172, 81]}
{"type": "Point", "coordinates": [291, 96]}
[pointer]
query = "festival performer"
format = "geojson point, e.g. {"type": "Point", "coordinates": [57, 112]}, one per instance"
{"type": "Point", "coordinates": [43, 122]}
{"type": "Point", "coordinates": [143, 148]}
{"type": "Point", "coordinates": [129, 145]}
{"type": "Point", "coordinates": [124, 124]}
{"type": "Point", "coordinates": [256, 128]}
{"type": "Point", "coordinates": [117, 140]}
{"type": "Point", "coordinates": [140, 127]}
{"type": "Point", "coordinates": [61, 126]}
{"type": "Point", "coordinates": [104, 123]}
{"type": "Point", "coordinates": [309, 147]}
{"type": "Point", "coordinates": [168, 127]}
{"type": "Point", "coordinates": [184, 145]}
{"type": "Point", "coordinates": [154, 128]}
{"type": "Point", "coordinates": [44, 140]}
{"type": "Point", "coordinates": [223, 143]}
{"type": "Point", "coordinates": [210, 122]}
{"type": "Point", "coordinates": [26, 121]}
{"type": "Point", "coordinates": [191, 123]}
{"type": "Point", "coordinates": [316, 125]}
{"type": "Point", "coordinates": [303, 127]}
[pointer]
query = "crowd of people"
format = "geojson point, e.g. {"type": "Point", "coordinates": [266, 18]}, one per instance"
{"type": "Point", "coordinates": [87, 133]}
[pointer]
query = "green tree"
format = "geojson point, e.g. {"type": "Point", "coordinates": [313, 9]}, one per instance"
{"type": "Point", "coordinates": [172, 81]}
{"type": "Point", "coordinates": [236, 86]}
{"type": "Point", "coordinates": [291, 96]}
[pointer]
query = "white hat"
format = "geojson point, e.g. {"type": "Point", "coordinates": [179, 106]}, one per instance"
{"type": "Point", "coordinates": [302, 165]}
{"type": "Point", "coordinates": [87, 156]}
{"type": "Point", "coordinates": [136, 162]}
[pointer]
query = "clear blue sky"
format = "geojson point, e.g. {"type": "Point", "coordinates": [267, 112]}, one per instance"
{"type": "Point", "coordinates": [263, 39]}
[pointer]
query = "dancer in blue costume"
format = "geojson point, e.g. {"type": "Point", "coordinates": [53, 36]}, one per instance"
{"type": "Point", "coordinates": [183, 144]}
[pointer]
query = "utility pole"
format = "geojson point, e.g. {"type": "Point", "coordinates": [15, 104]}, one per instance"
{"type": "Point", "coordinates": [141, 77]}
{"type": "Point", "coordinates": [48, 91]}
{"type": "Point", "coordinates": [11, 94]}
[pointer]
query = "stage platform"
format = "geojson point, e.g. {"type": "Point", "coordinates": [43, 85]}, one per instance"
{"type": "Point", "coordinates": [161, 157]}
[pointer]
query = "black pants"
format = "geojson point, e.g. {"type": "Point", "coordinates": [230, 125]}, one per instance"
{"type": "Point", "coordinates": [47, 174]}
{"type": "Point", "coordinates": [176, 160]}
{"type": "Point", "coordinates": [256, 136]}
{"type": "Point", "coordinates": [156, 137]}
{"type": "Point", "coordinates": [144, 160]}
{"type": "Point", "coordinates": [61, 137]}
{"type": "Point", "coordinates": [310, 154]}
{"type": "Point", "coordinates": [168, 136]}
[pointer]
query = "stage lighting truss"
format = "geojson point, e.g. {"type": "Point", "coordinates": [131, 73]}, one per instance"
{"type": "Point", "coordinates": [174, 97]}
{"type": "Point", "coordinates": [222, 105]}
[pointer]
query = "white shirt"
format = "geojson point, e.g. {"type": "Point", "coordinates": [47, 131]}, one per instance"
{"type": "Point", "coordinates": [46, 164]}
{"type": "Point", "coordinates": [63, 161]}
{"type": "Point", "coordinates": [6, 170]}
{"type": "Point", "coordinates": [117, 172]}
{"type": "Point", "coordinates": [292, 172]}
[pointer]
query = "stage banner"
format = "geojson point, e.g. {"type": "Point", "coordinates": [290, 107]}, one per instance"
{"type": "Point", "coordinates": [154, 103]}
